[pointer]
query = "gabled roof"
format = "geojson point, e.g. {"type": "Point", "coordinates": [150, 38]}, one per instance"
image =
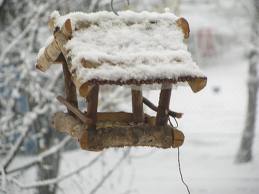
{"type": "Point", "coordinates": [129, 49]}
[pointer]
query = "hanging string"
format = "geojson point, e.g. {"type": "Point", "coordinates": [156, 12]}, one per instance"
{"type": "Point", "coordinates": [115, 12]}
{"type": "Point", "coordinates": [176, 122]}
{"type": "Point", "coordinates": [178, 158]}
{"type": "Point", "coordinates": [180, 171]}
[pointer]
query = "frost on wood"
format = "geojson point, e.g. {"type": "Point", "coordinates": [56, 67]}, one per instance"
{"type": "Point", "coordinates": [132, 49]}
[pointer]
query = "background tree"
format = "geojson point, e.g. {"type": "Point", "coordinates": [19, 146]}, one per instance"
{"type": "Point", "coordinates": [27, 97]}
{"type": "Point", "coordinates": [245, 151]}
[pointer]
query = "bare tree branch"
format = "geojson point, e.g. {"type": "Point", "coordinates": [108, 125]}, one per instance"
{"type": "Point", "coordinates": [55, 180]}
{"type": "Point", "coordinates": [40, 157]}
{"type": "Point", "coordinates": [110, 172]}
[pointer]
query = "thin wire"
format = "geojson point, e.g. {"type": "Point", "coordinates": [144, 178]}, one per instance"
{"type": "Point", "coordinates": [115, 12]}
{"type": "Point", "coordinates": [178, 158]}
{"type": "Point", "coordinates": [180, 171]}
{"type": "Point", "coordinates": [172, 123]}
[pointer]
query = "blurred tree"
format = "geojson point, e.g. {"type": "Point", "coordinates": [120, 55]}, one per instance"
{"type": "Point", "coordinates": [245, 151]}
{"type": "Point", "coordinates": [27, 97]}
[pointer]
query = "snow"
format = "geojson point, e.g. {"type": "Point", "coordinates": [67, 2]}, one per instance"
{"type": "Point", "coordinates": [140, 46]}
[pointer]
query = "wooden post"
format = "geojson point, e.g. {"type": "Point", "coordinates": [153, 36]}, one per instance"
{"type": "Point", "coordinates": [137, 106]}
{"type": "Point", "coordinates": [163, 106]}
{"type": "Point", "coordinates": [70, 89]}
{"type": "Point", "coordinates": [92, 104]}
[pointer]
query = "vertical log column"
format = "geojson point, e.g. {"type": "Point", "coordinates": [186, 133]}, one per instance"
{"type": "Point", "coordinates": [92, 104]}
{"type": "Point", "coordinates": [70, 89]}
{"type": "Point", "coordinates": [137, 106]}
{"type": "Point", "coordinates": [163, 106]}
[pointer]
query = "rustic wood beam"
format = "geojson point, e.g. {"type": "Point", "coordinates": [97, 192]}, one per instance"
{"type": "Point", "coordinates": [163, 106]}
{"type": "Point", "coordinates": [154, 108]}
{"type": "Point", "coordinates": [118, 134]}
{"type": "Point", "coordinates": [70, 89]}
{"type": "Point", "coordinates": [92, 103]}
{"type": "Point", "coordinates": [122, 117]}
{"type": "Point", "coordinates": [137, 106]}
{"type": "Point", "coordinates": [74, 110]}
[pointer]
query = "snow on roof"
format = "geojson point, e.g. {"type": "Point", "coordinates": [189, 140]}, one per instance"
{"type": "Point", "coordinates": [132, 48]}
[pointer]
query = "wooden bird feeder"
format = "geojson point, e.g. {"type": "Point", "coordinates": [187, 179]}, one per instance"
{"type": "Point", "coordinates": [134, 49]}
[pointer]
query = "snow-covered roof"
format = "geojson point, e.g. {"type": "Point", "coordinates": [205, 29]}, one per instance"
{"type": "Point", "coordinates": [129, 49]}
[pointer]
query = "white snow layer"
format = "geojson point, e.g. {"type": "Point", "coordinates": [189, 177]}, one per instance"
{"type": "Point", "coordinates": [139, 46]}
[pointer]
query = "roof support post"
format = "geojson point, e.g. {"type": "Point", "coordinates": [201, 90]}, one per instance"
{"type": "Point", "coordinates": [137, 106]}
{"type": "Point", "coordinates": [70, 89]}
{"type": "Point", "coordinates": [163, 106]}
{"type": "Point", "coordinates": [92, 103]}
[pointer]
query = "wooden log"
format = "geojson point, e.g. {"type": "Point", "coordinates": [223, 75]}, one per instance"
{"type": "Point", "coordinates": [83, 88]}
{"type": "Point", "coordinates": [62, 36]}
{"type": "Point", "coordinates": [54, 49]}
{"type": "Point", "coordinates": [48, 57]}
{"type": "Point", "coordinates": [183, 24]}
{"type": "Point", "coordinates": [70, 89]}
{"type": "Point", "coordinates": [137, 106]}
{"type": "Point", "coordinates": [66, 123]}
{"type": "Point", "coordinates": [75, 110]}
{"type": "Point", "coordinates": [197, 84]}
{"type": "Point", "coordinates": [118, 135]}
{"type": "Point", "coordinates": [92, 103]}
{"type": "Point", "coordinates": [122, 117]}
{"type": "Point", "coordinates": [154, 108]}
{"type": "Point", "coordinates": [163, 106]}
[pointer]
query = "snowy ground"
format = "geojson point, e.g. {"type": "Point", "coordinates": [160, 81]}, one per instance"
{"type": "Point", "coordinates": [212, 124]}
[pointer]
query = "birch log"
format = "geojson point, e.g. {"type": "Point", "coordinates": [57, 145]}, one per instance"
{"type": "Point", "coordinates": [48, 56]}
{"type": "Point", "coordinates": [109, 134]}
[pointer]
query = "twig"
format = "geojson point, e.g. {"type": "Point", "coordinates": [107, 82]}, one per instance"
{"type": "Point", "coordinates": [75, 110]}
{"type": "Point", "coordinates": [28, 120]}
{"type": "Point", "coordinates": [25, 31]}
{"type": "Point", "coordinates": [55, 180]}
{"type": "Point", "coordinates": [3, 179]}
{"type": "Point", "coordinates": [40, 157]}
{"type": "Point", "coordinates": [110, 172]}
{"type": "Point", "coordinates": [154, 108]}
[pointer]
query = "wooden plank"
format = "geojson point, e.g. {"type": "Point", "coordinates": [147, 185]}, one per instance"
{"type": "Point", "coordinates": [92, 103]}
{"type": "Point", "coordinates": [137, 106]}
{"type": "Point", "coordinates": [75, 110]}
{"type": "Point", "coordinates": [163, 106]}
{"type": "Point", "coordinates": [154, 108]}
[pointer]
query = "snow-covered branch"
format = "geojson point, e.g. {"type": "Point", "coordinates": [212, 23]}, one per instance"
{"type": "Point", "coordinates": [110, 172]}
{"type": "Point", "coordinates": [58, 179]}
{"type": "Point", "coordinates": [40, 157]}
